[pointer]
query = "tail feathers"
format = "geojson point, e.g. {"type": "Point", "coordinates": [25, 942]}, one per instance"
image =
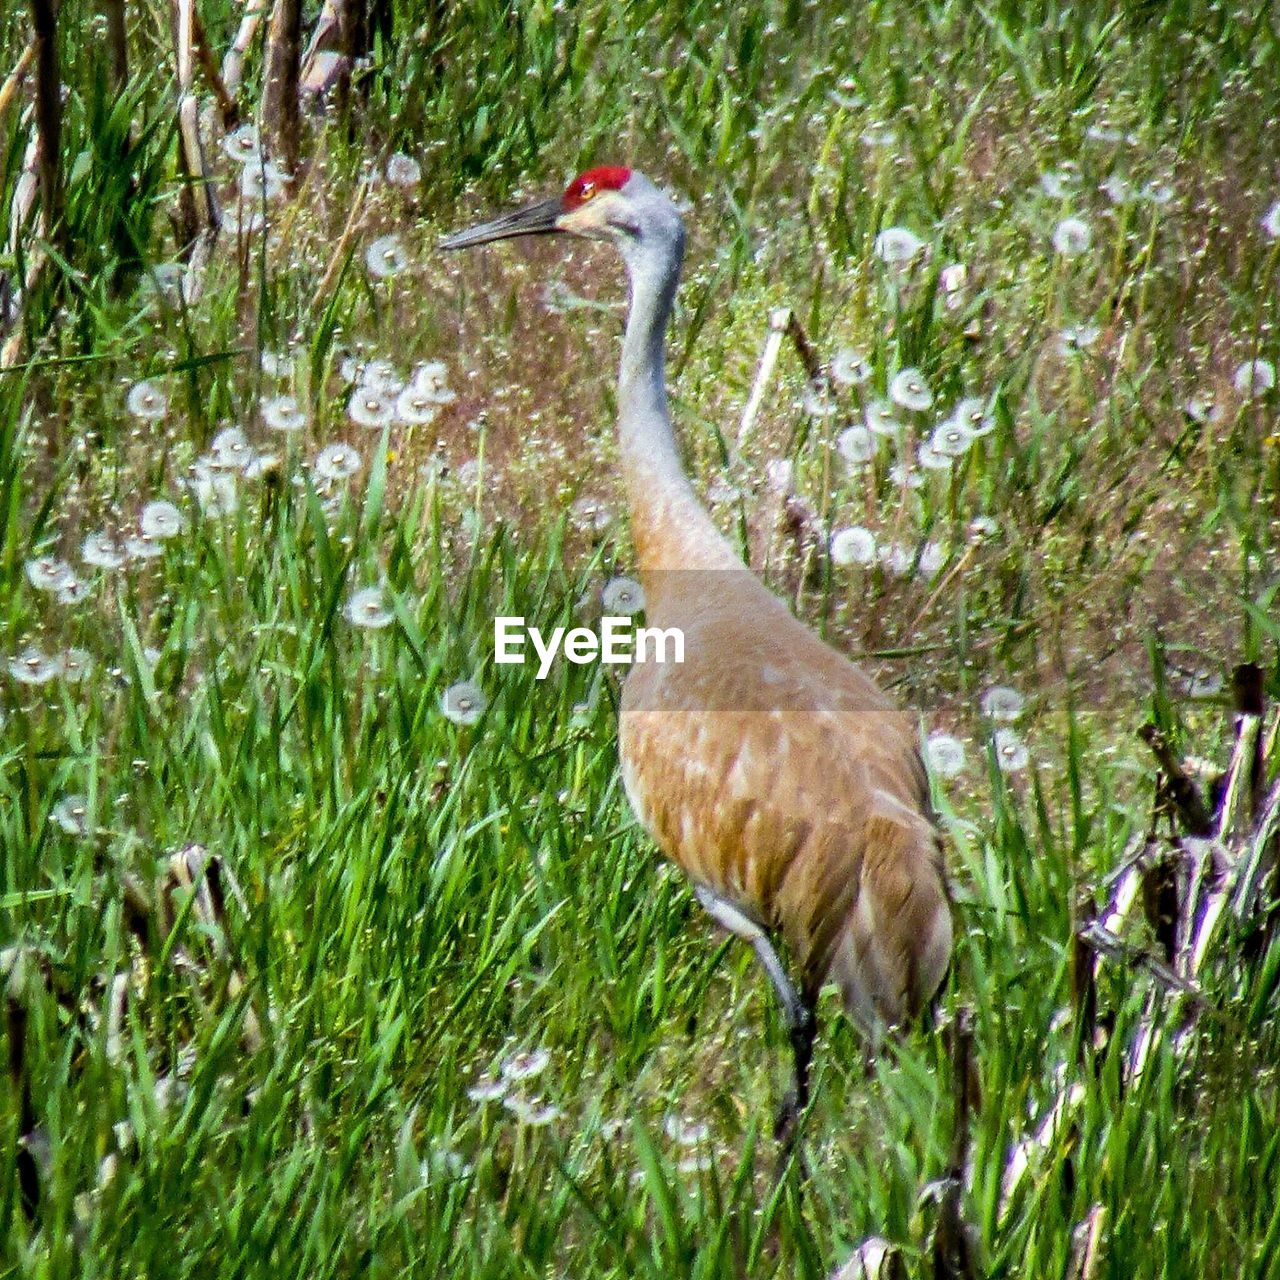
{"type": "Point", "coordinates": [896, 946]}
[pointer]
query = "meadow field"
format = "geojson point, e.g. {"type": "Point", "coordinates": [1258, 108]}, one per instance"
{"type": "Point", "coordinates": [329, 946]}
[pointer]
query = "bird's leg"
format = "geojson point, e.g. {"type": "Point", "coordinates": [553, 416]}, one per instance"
{"type": "Point", "coordinates": [799, 1014]}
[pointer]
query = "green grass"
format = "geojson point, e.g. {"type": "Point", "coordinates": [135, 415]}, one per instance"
{"type": "Point", "coordinates": [425, 898]}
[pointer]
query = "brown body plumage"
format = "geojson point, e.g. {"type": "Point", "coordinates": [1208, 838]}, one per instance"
{"type": "Point", "coordinates": [767, 766]}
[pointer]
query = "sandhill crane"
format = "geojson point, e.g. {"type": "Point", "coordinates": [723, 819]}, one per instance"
{"type": "Point", "coordinates": [769, 767]}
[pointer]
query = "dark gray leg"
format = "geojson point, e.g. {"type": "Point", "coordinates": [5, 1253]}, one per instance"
{"type": "Point", "coordinates": [799, 1014]}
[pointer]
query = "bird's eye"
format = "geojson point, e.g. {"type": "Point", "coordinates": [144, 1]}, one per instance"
{"type": "Point", "coordinates": [588, 190]}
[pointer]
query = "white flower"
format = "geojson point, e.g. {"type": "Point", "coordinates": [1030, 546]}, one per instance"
{"type": "Point", "coordinates": [1072, 237]}
{"type": "Point", "coordinates": [932, 557]}
{"type": "Point", "coordinates": [274, 364]}
{"type": "Point", "coordinates": [854, 545]}
{"type": "Point", "coordinates": [71, 815]}
{"type": "Point", "coordinates": [529, 1112]}
{"type": "Point", "coordinates": [142, 548]}
{"type": "Point", "coordinates": [880, 419]}
{"type": "Point", "coordinates": [905, 477]}
{"type": "Point", "coordinates": [403, 170]}
{"type": "Point", "coordinates": [261, 181]}
{"type": "Point", "coordinates": [896, 245]}
{"type": "Point", "coordinates": [849, 366]}
{"type": "Point", "coordinates": [910, 390]}
{"type": "Point", "coordinates": [951, 438]}
{"type": "Point", "coordinates": [524, 1066]}
{"type": "Point", "coordinates": [896, 558]}
{"type": "Point", "coordinates": [76, 664]}
{"type": "Point", "coordinates": [214, 490]}
{"type": "Point", "coordinates": [366, 608]}
{"type": "Point", "coordinates": [103, 551]}
{"type": "Point", "coordinates": [818, 400]}
{"type": "Point", "coordinates": [930, 459]}
{"type": "Point", "coordinates": [230, 450]}
{"type": "Point", "coordinates": [243, 145]}
{"type": "Point", "coordinates": [1254, 378]}
{"type": "Point", "coordinates": [379, 375]}
{"type": "Point", "coordinates": [33, 666]}
{"type": "Point", "coordinates": [147, 400]}
{"type": "Point", "coordinates": [946, 754]}
{"type": "Point", "coordinates": [1203, 409]}
{"type": "Point", "coordinates": [386, 257]}
{"type": "Point", "coordinates": [622, 597]}
{"type": "Point", "coordinates": [1000, 702]}
{"type": "Point", "coordinates": [685, 1132]}
{"type": "Point", "coordinates": [983, 527]}
{"type": "Point", "coordinates": [1117, 190]}
{"type": "Point", "coordinates": [972, 414]}
{"type": "Point", "coordinates": [1077, 337]}
{"type": "Point", "coordinates": [1271, 221]}
{"type": "Point", "coordinates": [487, 1089]}
{"type": "Point", "coordinates": [160, 520]}
{"type": "Point", "coordinates": [1011, 752]}
{"type": "Point", "coordinates": [857, 445]}
{"type": "Point", "coordinates": [464, 702]}
{"type": "Point", "coordinates": [1057, 184]}
{"type": "Point", "coordinates": [337, 462]}
{"type": "Point", "coordinates": [71, 590]}
{"type": "Point", "coordinates": [370, 408]}
{"type": "Point", "coordinates": [415, 408]}
{"type": "Point", "coordinates": [281, 413]}
{"type": "Point", "coordinates": [47, 573]}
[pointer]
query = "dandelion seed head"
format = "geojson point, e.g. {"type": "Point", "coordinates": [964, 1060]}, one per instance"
{"type": "Point", "coordinates": [403, 170]}
{"type": "Point", "coordinates": [818, 401]}
{"type": "Point", "coordinates": [905, 477]}
{"type": "Point", "coordinates": [414, 408]}
{"type": "Point", "coordinates": [1254, 378]}
{"type": "Point", "coordinates": [1072, 237]}
{"type": "Point", "coordinates": [431, 379]}
{"type": "Point", "coordinates": [930, 459]}
{"type": "Point", "coordinates": [71, 815]}
{"type": "Point", "coordinates": [230, 450]}
{"type": "Point", "coordinates": [370, 408]}
{"type": "Point", "coordinates": [487, 1088]}
{"type": "Point", "coordinates": [261, 181]}
{"type": "Point", "coordinates": [463, 703]}
{"type": "Point", "coordinates": [972, 414]}
{"type": "Point", "coordinates": [367, 608]}
{"type": "Point", "coordinates": [138, 548]}
{"type": "Point", "coordinates": [951, 438]}
{"type": "Point", "coordinates": [590, 513]}
{"type": "Point", "coordinates": [850, 367]}
{"type": "Point", "coordinates": [1158, 193]}
{"type": "Point", "coordinates": [243, 145]}
{"type": "Point", "coordinates": [1203, 409]}
{"type": "Point", "coordinates": [910, 390]}
{"type": "Point", "coordinates": [214, 491]}
{"type": "Point", "coordinates": [160, 520]}
{"type": "Point", "coordinates": [685, 1132]}
{"type": "Point", "coordinates": [622, 597]}
{"type": "Point", "coordinates": [856, 445]}
{"type": "Point", "coordinates": [1117, 190]}
{"type": "Point", "coordinates": [1271, 221]}
{"type": "Point", "coordinates": [282, 413]}
{"type": "Point", "coordinates": [896, 558]}
{"type": "Point", "coordinates": [932, 557]}
{"type": "Point", "coordinates": [77, 664]}
{"type": "Point", "coordinates": [1011, 752]}
{"type": "Point", "coordinates": [531, 1112]}
{"type": "Point", "coordinates": [103, 551]}
{"type": "Point", "coordinates": [275, 365]}
{"type": "Point", "coordinates": [853, 546]}
{"type": "Point", "coordinates": [946, 754]}
{"type": "Point", "coordinates": [337, 462]}
{"type": "Point", "coordinates": [1058, 184]}
{"type": "Point", "coordinates": [147, 400]}
{"type": "Point", "coordinates": [1077, 337]}
{"type": "Point", "coordinates": [881, 419]}
{"type": "Point", "coordinates": [1000, 702]}
{"type": "Point", "coordinates": [983, 528]}
{"type": "Point", "coordinates": [33, 666]}
{"type": "Point", "coordinates": [386, 257]}
{"type": "Point", "coordinates": [524, 1066]}
{"type": "Point", "coordinates": [898, 246]}
{"type": "Point", "coordinates": [47, 573]}
{"type": "Point", "coordinates": [72, 590]}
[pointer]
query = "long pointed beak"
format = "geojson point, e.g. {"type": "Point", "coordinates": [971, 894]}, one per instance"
{"type": "Point", "coordinates": [536, 220]}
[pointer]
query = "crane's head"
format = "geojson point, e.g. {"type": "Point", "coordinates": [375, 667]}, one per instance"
{"type": "Point", "coordinates": [611, 202]}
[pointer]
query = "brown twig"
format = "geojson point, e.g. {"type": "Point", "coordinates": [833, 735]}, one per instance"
{"type": "Point", "coordinates": [280, 107]}
{"type": "Point", "coordinates": [227, 106]}
{"type": "Point", "coordinates": [1183, 792]}
{"type": "Point", "coordinates": [13, 81]}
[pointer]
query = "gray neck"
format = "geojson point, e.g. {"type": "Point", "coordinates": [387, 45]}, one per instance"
{"type": "Point", "coordinates": [647, 440]}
